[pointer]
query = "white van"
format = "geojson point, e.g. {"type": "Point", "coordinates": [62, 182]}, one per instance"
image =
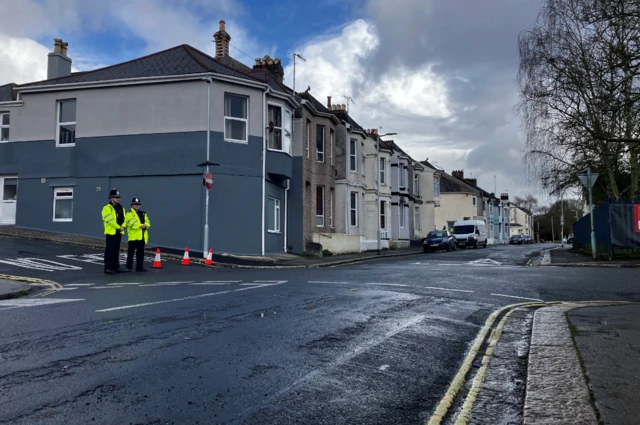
{"type": "Point", "coordinates": [470, 233]}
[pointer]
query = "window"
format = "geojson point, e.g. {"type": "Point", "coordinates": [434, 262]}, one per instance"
{"type": "Point", "coordinates": [319, 143]}
{"type": "Point", "coordinates": [402, 176]}
{"type": "Point", "coordinates": [320, 206]}
{"type": "Point", "coordinates": [235, 118]}
{"type": "Point", "coordinates": [353, 155]}
{"type": "Point", "coordinates": [401, 214]}
{"type": "Point", "coordinates": [383, 215]}
{"type": "Point", "coordinates": [308, 136]}
{"type": "Point", "coordinates": [66, 122]}
{"type": "Point", "coordinates": [416, 184]}
{"type": "Point", "coordinates": [10, 191]}
{"type": "Point", "coordinates": [332, 142]}
{"type": "Point", "coordinates": [4, 127]}
{"type": "Point", "coordinates": [490, 209]}
{"type": "Point", "coordinates": [331, 196]}
{"type": "Point", "coordinates": [63, 204]}
{"type": "Point", "coordinates": [382, 171]}
{"type": "Point", "coordinates": [416, 218]}
{"type": "Point", "coordinates": [280, 137]}
{"type": "Point", "coordinates": [475, 201]}
{"type": "Point", "coordinates": [353, 210]}
{"type": "Point", "coordinates": [436, 186]}
{"type": "Point", "coordinates": [273, 215]}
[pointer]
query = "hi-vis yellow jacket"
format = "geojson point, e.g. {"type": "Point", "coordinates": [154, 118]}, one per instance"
{"type": "Point", "coordinates": [111, 227]}
{"type": "Point", "coordinates": [134, 231]}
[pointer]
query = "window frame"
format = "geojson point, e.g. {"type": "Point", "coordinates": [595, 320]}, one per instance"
{"type": "Point", "coordinates": [353, 155]}
{"type": "Point", "coordinates": [5, 126]}
{"type": "Point", "coordinates": [276, 215]}
{"type": "Point", "coordinates": [416, 218]}
{"type": "Point", "coordinates": [331, 196]}
{"type": "Point", "coordinates": [308, 138]}
{"type": "Point", "coordinates": [416, 184]}
{"type": "Point", "coordinates": [383, 170]}
{"type": "Point", "coordinates": [402, 181]}
{"type": "Point", "coordinates": [320, 191]}
{"type": "Point", "coordinates": [474, 200]}
{"type": "Point", "coordinates": [57, 190]}
{"type": "Point", "coordinates": [286, 147]}
{"type": "Point", "coordinates": [320, 153]}
{"type": "Point", "coordinates": [402, 219]}
{"type": "Point", "coordinates": [436, 184]}
{"type": "Point", "coordinates": [353, 196]}
{"type": "Point", "coordinates": [383, 215]}
{"type": "Point", "coordinates": [59, 124]}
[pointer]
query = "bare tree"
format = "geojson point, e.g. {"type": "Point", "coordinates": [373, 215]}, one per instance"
{"type": "Point", "coordinates": [579, 80]}
{"type": "Point", "coordinates": [529, 203]}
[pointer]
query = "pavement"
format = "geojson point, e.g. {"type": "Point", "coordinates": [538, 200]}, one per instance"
{"type": "Point", "coordinates": [11, 289]}
{"type": "Point", "coordinates": [377, 342]}
{"type": "Point", "coordinates": [566, 257]}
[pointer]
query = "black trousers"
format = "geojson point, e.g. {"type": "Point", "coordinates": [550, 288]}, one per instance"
{"type": "Point", "coordinates": [136, 247]}
{"type": "Point", "coordinates": [112, 252]}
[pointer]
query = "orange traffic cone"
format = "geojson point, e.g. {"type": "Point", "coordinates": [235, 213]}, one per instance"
{"type": "Point", "coordinates": [157, 262]}
{"type": "Point", "coordinates": [209, 260]}
{"type": "Point", "coordinates": [185, 259]}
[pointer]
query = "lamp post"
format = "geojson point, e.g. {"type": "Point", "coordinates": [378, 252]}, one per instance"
{"type": "Point", "coordinates": [588, 179]}
{"type": "Point", "coordinates": [378, 184]}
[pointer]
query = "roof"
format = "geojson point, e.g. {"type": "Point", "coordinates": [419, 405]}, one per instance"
{"type": "Point", "coordinates": [449, 184]}
{"type": "Point", "coordinates": [315, 102]}
{"type": "Point", "coordinates": [526, 211]}
{"type": "Point", "coordinates": [344, 116]}
{"type": "Point", "coordinates": [430, 165]}
{"type": "Point", "coordinates": [6, 92]}
{"type": "Point", "coordinates": [179, 60]}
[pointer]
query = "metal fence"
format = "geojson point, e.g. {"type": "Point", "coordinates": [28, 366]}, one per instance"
{"type": "Point", "coordinates": [616, 227]}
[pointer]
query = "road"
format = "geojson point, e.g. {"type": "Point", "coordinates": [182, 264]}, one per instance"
{"type": "Point", "coordinates": [370, 343]}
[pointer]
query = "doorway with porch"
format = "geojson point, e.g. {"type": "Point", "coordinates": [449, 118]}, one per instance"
{"type": "Point", "coordinates": [8, 199]}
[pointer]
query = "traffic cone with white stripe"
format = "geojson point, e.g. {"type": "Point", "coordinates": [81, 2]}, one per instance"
{"type": "Point", "coordinates": [157, 262]}
{"type": "Point", "coordinates": [185, 258]}
{"type": "Point", "coordinates": [209, 260]}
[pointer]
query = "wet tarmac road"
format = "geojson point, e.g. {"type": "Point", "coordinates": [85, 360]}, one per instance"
{"type": "Point", "coordinates": [372, 343]}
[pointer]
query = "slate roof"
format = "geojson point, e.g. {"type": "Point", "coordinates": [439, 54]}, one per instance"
{"type": "Point", "coordinates": [449, 184]}
{"type": "Point", "coordinates": [179, 60]}
{"type": "Point", "coordinates": [315, 102]}
{"type": "Point", "coordinates": [344, 116]}
{"type": "Point", "coordinates": [6, 92]}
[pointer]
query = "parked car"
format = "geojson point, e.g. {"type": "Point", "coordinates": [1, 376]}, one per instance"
{"type": "Point", "coordinates": [516, 240]}
{"type": "Point", "coordinates": [439, 239]}
{"type": "Point", "coordinates": [528, 240]}
{"type": "Point", "coordinates": [470, 233]}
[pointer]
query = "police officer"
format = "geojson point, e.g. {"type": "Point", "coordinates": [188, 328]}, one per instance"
{"type": "Point", "coordinates": [138, 232]}
{"type": "Point", "coordinates": [113, 220]}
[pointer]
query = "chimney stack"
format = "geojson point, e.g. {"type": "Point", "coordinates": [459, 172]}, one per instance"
{"type": "Point", "coordinates": [222, 39]}
{"type": "Point", "coordinates": [58, 65]}
{"type": "Point", "coordinates": [472, 182]}
{"type": "Point", "coordinates": [273, 66]}
{"type": "Point", "coordinates": [459, 174]}
{"type": "Point", "coordinates": [329, 102]}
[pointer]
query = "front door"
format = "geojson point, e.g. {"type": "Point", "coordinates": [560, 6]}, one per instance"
{"type": "Point", "coordinates": [8, 199]}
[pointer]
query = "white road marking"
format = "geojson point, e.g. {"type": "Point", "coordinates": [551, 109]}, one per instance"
{"type": "Point", "coordinates": [65, 289]}
{"type": "Point", "coordinates": [384, 367]}
{"type": "Point", "coordinates": [325, 281]}
{"type": "Point", "coordinates": [127, 283]}
{"type": "Point", "coordinates": [80, 284]}
{"type": "Point", "coordinates": [448, 289]}
{"type": "Point", "coordinates": [177, 282]}
{"type": "Point", "coordinates": [105, 287]}
{"type": "Point", "coordinates": [386, 284]}
{"type": "Point", "coordinates": [160, 284]}
{"type": "Point", "coordinates": [222, 281]}
{"type": "Point", "coordinates": [33, 302]}
{"type": "Point", "coordinates": [269, 281]}
{"type": "Point", "coordinates": [485, 262]}
{"type": "Point", "coordinates": [546, 260]}
{"type": "Point", "coordinates": [178, 299]}
{"type": "Point", "coordinates": [518, 298]}
{"type": "Point", "coordinates": [210, 283]}
{"type": "Point", "coordinates": [38, 264]}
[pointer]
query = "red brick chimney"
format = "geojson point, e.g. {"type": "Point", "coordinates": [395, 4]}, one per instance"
{"type": "Point", "coordinates": [328, 102]}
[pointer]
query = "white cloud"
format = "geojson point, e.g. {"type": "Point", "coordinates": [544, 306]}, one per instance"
{"type": "Point", "coordinates": [22, 60]}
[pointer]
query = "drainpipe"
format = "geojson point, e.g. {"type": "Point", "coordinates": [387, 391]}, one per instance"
{"type": "Point", "coordinates": [206, 208]}
{"type": "Point", "coordinates": [286, 209]}
{"type": "Point", "coordinates": [264, 161]}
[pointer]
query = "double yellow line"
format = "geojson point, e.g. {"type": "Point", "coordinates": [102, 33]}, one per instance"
{"type": "Point", "coordinates": [53, 286]}
{"type": "Point", "coordinates": [458, 382]}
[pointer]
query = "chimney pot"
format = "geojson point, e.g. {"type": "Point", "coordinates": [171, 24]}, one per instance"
{"type": "Point", "coordinates": [65, 46]}
{"type": "Point", "coordinates": [58, 64]}
{"type": "Point", "coordinates": [329, 102]}
{"type": "Point", "coordinates": [57, 45]}
{"type": "Point", "coordinates": [222, 25]}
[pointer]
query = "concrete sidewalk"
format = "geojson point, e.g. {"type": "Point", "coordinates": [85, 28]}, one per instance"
{"type": "Point", "coordinates": [10, 289]}
{"type": "Point", "coordinates": [583, 365]}
{"type": "Point", "coordinates": [566, 257]}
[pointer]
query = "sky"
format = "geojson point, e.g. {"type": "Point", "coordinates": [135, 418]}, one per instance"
{"type": "Point", "coordinates": [441, 74]}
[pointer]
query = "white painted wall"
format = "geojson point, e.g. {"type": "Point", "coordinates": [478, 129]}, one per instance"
{"type": "Point", "coordinates": [338, 243]}
{"type": "Point", "coordinates": [453, 207]}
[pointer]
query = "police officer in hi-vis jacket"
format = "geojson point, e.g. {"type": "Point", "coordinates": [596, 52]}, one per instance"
{"type": "Point", "coordinates": [138, 233]}
{"type": "Point", "coordinates": [113, 217]}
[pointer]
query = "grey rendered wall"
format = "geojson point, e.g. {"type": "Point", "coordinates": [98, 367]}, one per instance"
{"type": "Point", "coordinates": [274, 242]}
{"type": "Point", "coordinates": [296, 209]}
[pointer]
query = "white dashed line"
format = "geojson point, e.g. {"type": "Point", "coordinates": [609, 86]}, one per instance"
{"type": "Point", "coordinates": [105, 287]}
{"type": "Point", "coordinates": [222, 281]}
{"type": "Point", "coordinates": [210, 283]}
{"type": "Point", "coordinates": [80, 284]}
{"type": "Point", "coordinates": [122, 284]}
{"type": "Point", "coordinates": [65, 289]}
{"type": "Point", "coordinates": [176, 282]}
{"type": "Point", "coordinates": [518, 298]}
{"type": "Point", "coordinates": [179, 299]}
{"type": "Point", "coordinates": [325, 281]}
{"type": "Point", "coordinates": [386, 284]}
{"type": "Point", "coordinates": [33, 302]}
{"type": "Point", "coordinates": [160, 284]}
{"type": "Point", "coordinates": [448, 289]}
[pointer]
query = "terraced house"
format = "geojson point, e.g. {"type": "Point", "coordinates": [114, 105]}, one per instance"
{"type": "Point", "coordinates": [141, 126]}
